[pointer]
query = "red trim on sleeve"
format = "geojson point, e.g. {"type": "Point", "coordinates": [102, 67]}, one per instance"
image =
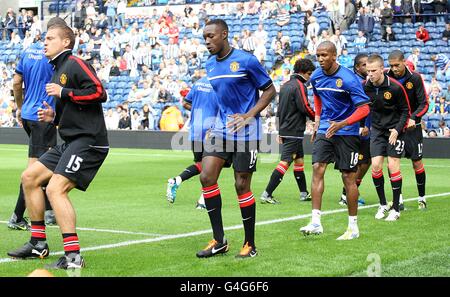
{"type": "Point", "coordinates": [427, 105]}
{"type": "Point", "coordinates": [360, 113]}
{"type": "Point", "coordinates": [407, 99]}
{"type": "Point", "coordinates": [317, 105]}
{"type": "Point", "coordinates": [304, 99]}
{"type": "Point", "coordinates": [97, 83]}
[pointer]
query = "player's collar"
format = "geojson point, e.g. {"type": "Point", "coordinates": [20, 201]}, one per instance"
{"type": "Point", "coordinates": [299, 77]}
{"type": "Point", "coordinates": [59, 58]}
{"type": "Point", "coordinates": [226, 56]}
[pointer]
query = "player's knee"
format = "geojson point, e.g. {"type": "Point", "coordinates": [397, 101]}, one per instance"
{"type": "Point", "coordinates": [28, 178]}
{"type": "Point", "coordinates": [207, 179]}
{"type": "Point", "coordinates": [319, 169]}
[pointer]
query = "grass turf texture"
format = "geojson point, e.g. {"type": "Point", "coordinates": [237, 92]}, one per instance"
{"type": "Point", "coordinates": [128, 194]}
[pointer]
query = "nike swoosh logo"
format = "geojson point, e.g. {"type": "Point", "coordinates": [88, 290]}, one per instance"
{"type": "Point", "coordinates": [211, 209]}
{"type": "Point", "coordinates": [68, 171]}
{"type": "Point", "coordinates": [395, 188]}
{"type": "Point", "coordinates": [218, 250]}
{"type": "Point", "coordinates": [247, 219]}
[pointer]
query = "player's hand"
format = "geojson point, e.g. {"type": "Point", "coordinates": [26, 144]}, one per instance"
{"type": "Point", "coordinates": [315, 129]}
{"type": "Point", "coordinates": [393, 136]}
{"type": "Point", "coordinates": [47, 114]}
{"type": "Point", "coordinates": [237, 122]}
{"type": "Point", "coordinates": [364, 131]}
{"type": "Point", "coordinates": [411, 124]}
{"type": "Point", "coordinates": [53, 89]}
{"type": "Point", "coordinates": [19, 117]}
{"type": "Point", "coordinates": [334, 127]}
{"type": "Point", "coordinates": [279, 139]}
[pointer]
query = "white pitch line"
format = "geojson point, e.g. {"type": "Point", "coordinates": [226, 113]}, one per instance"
{"type": "Point", "coordinates": [106, 230]}
{"type": "Point", "coordinates": [195, 233]}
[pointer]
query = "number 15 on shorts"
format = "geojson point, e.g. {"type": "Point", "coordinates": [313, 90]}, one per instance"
{"type": "Point", "coordinates": [74, 164]}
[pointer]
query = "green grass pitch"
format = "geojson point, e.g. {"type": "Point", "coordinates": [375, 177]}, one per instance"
{"type": "Point", "coordinates": [127, 227]}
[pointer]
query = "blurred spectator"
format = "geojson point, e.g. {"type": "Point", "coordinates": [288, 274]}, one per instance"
{"type": "Point", "coordinates": [388, 35]}
{"type": "Point", "coordinates": [121, 10]}
{"type": "Point", "coordinates": [432, 134]}
{"type": "Point", "coordinates": [446, 33]}
{"type": "Point", "coordinates": [111, 11]}
{"type": "Point", "coordinates": [446, 93]}
{"type": "Point", "coordinates": [440, 8]}
{"type": "Point", "coordinates": [422, 34]}
{"type": "Point", "coordinates": [171, 119]}
{"type": "Point", "coordinates": [148, 117]}
{"type": "Point", "coordinates": [345, 60]}
{"type": "Point", "coordinates": [441, 65]}
{"type": "Point", "coordinates": [414, 57]}
{"type": "Point", "coordinates": [387, 16]}
{"type": "Point", "coordinates": [349, 15]}
{"type": "Point", "coordinates": [312, 46]}
{"type": "Point", "coordinates": [313, 28]}
{"type": "Point", "coordinates": [446, 132]}
{"type": "Point", "coordinates": [443, 107]}
{"type": "Point", "coordinates": [125, 120]}
{"type": "Point", "coordinates": [111, 119]}
{"type": "Point", "coordinates": [339, 40]}
{"type": "Point", "coordinates": [366, 22]}
{"type": "Point", "coordinates": [360, 41]}
{"type": "Point", "coordinates": [136, 120]}
{"type": "Point", "coordinates": [10, 23]}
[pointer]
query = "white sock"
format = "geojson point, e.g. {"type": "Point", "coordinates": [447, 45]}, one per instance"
{"type": "Point", "coordinates": [422, 199]}
{"type": "Point", "coordinates": [178, 180]}
{"type": "Point", "coordinates": [344, 197]}
{"type": "Point", "coordinates": [401, 199]}
{"type": "Point", "coordinates": [316, 216]}
{"type": "Point", "coordinates": [353, 222]}
{"type": "Point", "coordinates": [201, 200]}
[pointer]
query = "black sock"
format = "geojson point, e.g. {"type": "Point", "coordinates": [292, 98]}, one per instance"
{"type": "Point", "coordinates": [276, 178]}
{"type": "Point", "coordinates": [191, 171]}
{"type": "Point", "coordinates": [20, 205]}
{"type": "Point", "coordinates": [378, 181]}
{"type": "Point", "coordinates": [248, 212]}
{"type": "Point", "coordinates": [299, 175]}
{"type": "Point", "coordinates": [37, 232]}
{"type": "Point", "coordinates": [421, 179]}
{"type": "Point", "coordinates": [213, 203]}
{"type": "Point", "coordinates": [344, 192]}
{"type": "Point", "coordinates": [396, 183]}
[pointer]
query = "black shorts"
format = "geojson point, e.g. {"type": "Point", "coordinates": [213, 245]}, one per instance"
{"type": "Point", "coordinates": [364, 152]}
{"type": "Point", "coordinates": [292, 148]}
{"type": "Point", "coordinates": [42, 137]}
{"type": "Point", "coordinates": [197, 150]}
{"type": "Point", "coordinates": [379, 144]}
{"type": "Point", "coordinates": [78, 160]}
{"type": "Point", "coordinates": [242, 154]}
{"type": "Point", "coordinates": [414, 143]}
{"type": "Point", "coordinates": [342, 150]}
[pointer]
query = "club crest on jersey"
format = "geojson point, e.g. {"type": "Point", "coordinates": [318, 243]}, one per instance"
{"type": "Point", "coordinates": [234, 66]}
{"type": "Point", "coordinates": [387, 95]}
{"type": "Point", "coordinates": [63, 79]}
{"type": "Point", "coordinates": [338, 82]}
{"type": "Point", "coordinates": [409, 85]}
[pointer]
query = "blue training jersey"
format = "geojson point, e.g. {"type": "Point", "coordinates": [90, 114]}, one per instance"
{"type": "Point", "coordinates": [237, 79]}
{"type": "Point", "coordinates": [36, 72]}
{"type": "Point", "coordinates": [340, 94]}
{"type": "Point", "coordinates": [368, 120]}
{"type": "Point", "coordinates": [204, 109]}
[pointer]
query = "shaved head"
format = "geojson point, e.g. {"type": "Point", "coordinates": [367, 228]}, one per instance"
{"type": "Point", "coordinates": [328, 46]}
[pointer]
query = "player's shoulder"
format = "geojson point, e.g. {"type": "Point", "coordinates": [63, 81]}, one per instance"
{"type": "Point", "coordinates": [346, 73]}
{"type": "Point", "coordinates": [316, 73]}
{"type": "Point", "coordinates": [395, 84]}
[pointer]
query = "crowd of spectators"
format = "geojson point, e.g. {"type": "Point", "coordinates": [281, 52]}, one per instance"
{"type": "Point", "coordinates": [163, 66]}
